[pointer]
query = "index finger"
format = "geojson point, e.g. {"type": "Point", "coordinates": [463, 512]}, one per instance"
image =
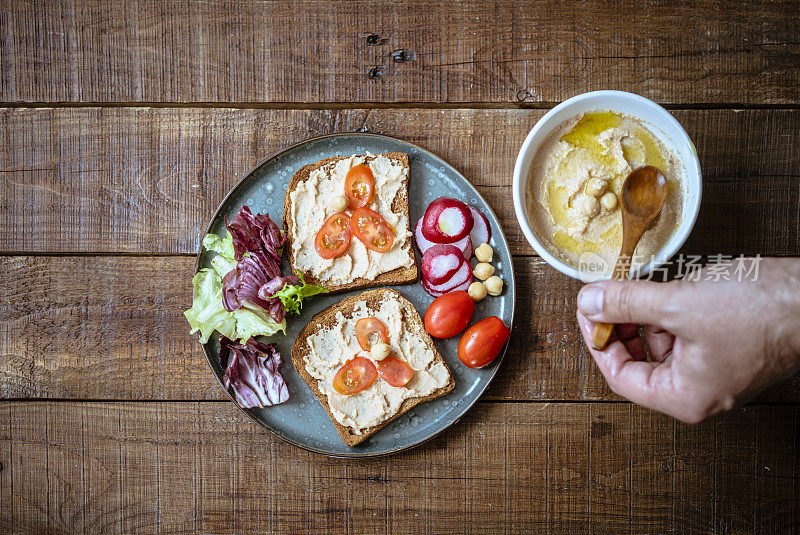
{"type": "Point", "coordinates": [637, 380]}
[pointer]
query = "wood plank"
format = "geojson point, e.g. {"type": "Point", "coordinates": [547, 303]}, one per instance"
{"type": "Point", "coordinates": [611, 472]}
{"type": "Point", "coordinates": [110, 319]}
{"type": "Point", "coordinates": [528, 468]}
{"type": "Point", "coordinates": [568, 473]}
{"type": "Point", "coordinates": [193, 467]}
{"type": "Point", "coordinates": [396, 51]}
{"type": "Point", "coordinates": [148, 180]}
{"type": "Point", "coordinates": [695, 452]}
{"type": "Point", "coordinates": [6, 490]}
{"type": "Point", "coordinates": [653, 472]}
{"type": "Point", "coordinates": [774, 465]}
{"type": "Point", "coordinates": [91, 321]}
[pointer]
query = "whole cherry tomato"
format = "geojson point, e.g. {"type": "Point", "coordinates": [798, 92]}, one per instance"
{"type": "Point", "coordinates": [334, 237]}
{"type": "Point", "coordinates": [359, 185]}
{"type": "Point", "coordinates": [482, 342]}
{"type": "Point", "coordinates": [356, 375]}
{"type": "Point", "coordinates": [394, 371]}
{"type": "Point", "coordinates": [372, 229]}
{"type": "Point", "coordinates": [449, 314]}
{"type": "Point", "coordinates": [370, 331]}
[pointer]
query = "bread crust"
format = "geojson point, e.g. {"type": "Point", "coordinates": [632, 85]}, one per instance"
{"type": "Point", "coordinates": [401, 275]}
{"type": "Point", "coordinates": [327, 318]}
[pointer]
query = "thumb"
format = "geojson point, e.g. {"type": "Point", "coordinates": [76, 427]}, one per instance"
{"type": "Point", "coordinates": [612, 301]}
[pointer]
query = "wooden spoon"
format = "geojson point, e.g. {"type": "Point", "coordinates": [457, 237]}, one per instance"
{"type": "Point", "coordinates": [643, 195]}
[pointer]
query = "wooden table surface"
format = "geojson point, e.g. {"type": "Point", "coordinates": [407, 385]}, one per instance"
{"type": "Point", "coordinates": [124, 124]}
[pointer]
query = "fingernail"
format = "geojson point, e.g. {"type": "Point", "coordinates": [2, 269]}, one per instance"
{"type": "Point", "coordinates": [590, 299]}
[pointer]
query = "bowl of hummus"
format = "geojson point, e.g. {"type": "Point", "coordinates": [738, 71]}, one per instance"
{"type": "Point", "coordinates": [569, 174]}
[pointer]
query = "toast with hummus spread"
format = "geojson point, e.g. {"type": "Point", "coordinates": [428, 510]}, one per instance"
{"type": "Point", "coordinates": [311, 199]}
{"type": "Point", "coordinates": [328, 342]}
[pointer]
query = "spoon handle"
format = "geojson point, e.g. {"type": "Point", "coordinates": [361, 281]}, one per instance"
{"type": "Point", "coordinates": [643, 195]}
{"type": "Point", "coordinates": [602, 331]}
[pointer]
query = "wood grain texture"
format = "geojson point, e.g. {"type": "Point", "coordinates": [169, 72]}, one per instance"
{"type": "Point", "coordinates": [106, 328]}
{"type": "Point", "coordinates": [397, 51]}
{"type": "Point", "coordinates": [146, 180]}
{"type": "Point", "coordinates": [505, 468]}
{"type": "Point", "coordinates": [141, 183]}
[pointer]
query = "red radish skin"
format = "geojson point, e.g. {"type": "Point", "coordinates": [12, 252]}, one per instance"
{"type": "Point", "coordinates": [465, 244]}
{"type": "Point", "coordinates": [440, 262]}
{"type": "Point", "coordinates": [464, 273]}
{"type": "Point", "coordinates": [446, 220]}
{"type": "Point", "coordinates": [467, 247]}
{"type": "Point", "coordinates": [423, 244]}
{"type": "Point", "coordinates": [460, 280]}
{"type": "Point", "coordinates": [461, 287]}
{"type": "Point", "coordinates": [449, 286]}
{"type": "Point", "coordinates": [480, 233]}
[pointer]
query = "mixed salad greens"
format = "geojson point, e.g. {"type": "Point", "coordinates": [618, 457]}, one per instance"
{"type": "Point", "coordinates": [245, 295]}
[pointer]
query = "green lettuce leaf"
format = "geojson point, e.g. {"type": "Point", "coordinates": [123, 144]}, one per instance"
{"type": "Point", "coordinates": [223, 246]}
{"type": "Point", "coordinates": [207, 313]}
{"type": "Point", "coordinates": [292, 295]}
{"type": "Point", "coordinates": [224, 261]}
{"type": "Point", "coordinates": [250, 323]}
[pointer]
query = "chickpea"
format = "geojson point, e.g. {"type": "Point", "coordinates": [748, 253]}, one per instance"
{"type": "Point", "coordinates": [595, 187]}
{"type": "Point", "coordinates": [590, 206]}
{"type": "Point", "coordinates": [494, 285]}
{"type": "Point", "coordinates": [339, 203]}
{"type": "Point", "coordinates": [379, 351]}
{"type": "Point", "coordinates": [609, 201]}
{"type": "Point", "coordinates": [483, 271]}
{"type": "Point", "coordinates": [477, 291]}
{"type": "Point", "coordinates": [484, 252]}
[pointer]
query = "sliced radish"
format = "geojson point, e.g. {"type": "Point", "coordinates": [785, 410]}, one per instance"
{"type": "Point", "coordinates": [431, 292]}
{"type": "Point", "coordinates": [446, 221]}
{"type": "Point", "coordinates": [463, 287]}
{"type": "Point", "coordinates": [480, 232]}
{"type": "Point", "coordinates": [457, 278]}
{"type": "Point", "coordinates": [463, 274]}
{"type": "Point", "coordinates": [465, 243]}
{"type": "Point", "coordinates": [422, 242]}
{"type": "Point", "coordinates": [452, 222]}
{"type": "Point", "coordinates": [440, 262]}
{"type": "Point", "coordinates": [460, 280]}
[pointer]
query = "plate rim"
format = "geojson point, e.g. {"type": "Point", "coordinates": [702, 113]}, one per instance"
{"type": "Point", "coordinates": [496, 363]}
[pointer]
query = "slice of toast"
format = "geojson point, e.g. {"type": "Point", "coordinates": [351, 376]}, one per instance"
{"type": "Point", "coordinates": [326, 319]}
{"type": "Point", "coordinates": [401, 275]}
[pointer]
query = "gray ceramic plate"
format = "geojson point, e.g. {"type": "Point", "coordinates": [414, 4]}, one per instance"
{"type": "Point", "coordinates": [301, 420]}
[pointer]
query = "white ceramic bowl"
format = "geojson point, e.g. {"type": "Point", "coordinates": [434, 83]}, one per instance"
{"type": "Point", "coordinates": [659, 121]}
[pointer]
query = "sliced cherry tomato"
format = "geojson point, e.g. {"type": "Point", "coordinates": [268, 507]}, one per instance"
{"type": "Point", "coordinates": [370, 331]}
{"type": "Point", "coordinates": [394, 371]}
{"type": "Point", "coordinates": [482, 342]}
{"type": "Point", "coordinates": [372, 229]}
{"type": "Point", "coordinates": [449, 314]}
{"type": "Point", "coordinates": [356, 375]}
{"type": "Point", "coordinates": [334, 237]}
{"type": "Point", "coordinates": [359, 185]}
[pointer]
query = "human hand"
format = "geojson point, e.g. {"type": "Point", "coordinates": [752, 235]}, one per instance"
{"type": "Point", "coordinates": [713, 344]}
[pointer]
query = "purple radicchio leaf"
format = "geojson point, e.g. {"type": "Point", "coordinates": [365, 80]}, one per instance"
{"type": "Point", "coordinates": [251, 371]}
{"type": "Point", "coordinates": [230, 282]}
{"type": "Point", "coordinates": [275, 285]}
{"type": "Point", "coordinates": [255, 232]}
{"type": "Point", "coordinates": [255, 242]}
